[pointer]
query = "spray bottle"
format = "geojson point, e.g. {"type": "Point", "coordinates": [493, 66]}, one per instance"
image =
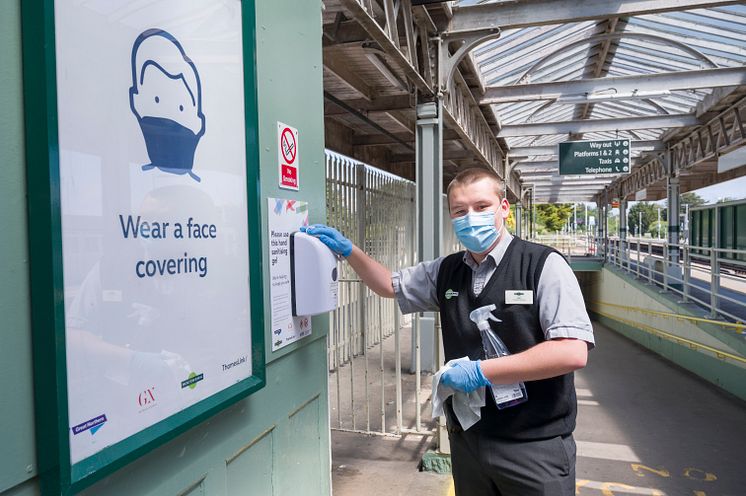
{"type": "Point", "coordinates": [506, 395]}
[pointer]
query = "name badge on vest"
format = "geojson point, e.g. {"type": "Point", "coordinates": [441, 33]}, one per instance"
{"type": "Point", "coordinates": [519, 297]}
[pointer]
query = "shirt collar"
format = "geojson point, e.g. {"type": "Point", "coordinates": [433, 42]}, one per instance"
{"type": "Point", "coordinates": [496, 254]}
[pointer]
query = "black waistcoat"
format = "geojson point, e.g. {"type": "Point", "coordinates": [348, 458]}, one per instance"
{"type": "Point", "coordinates": [551, 407]}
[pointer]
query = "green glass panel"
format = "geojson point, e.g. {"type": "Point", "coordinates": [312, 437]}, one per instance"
{"type": "Point", "coordinates": [740, 228]}
{"type": "Point", "coordinates": [727, 235]}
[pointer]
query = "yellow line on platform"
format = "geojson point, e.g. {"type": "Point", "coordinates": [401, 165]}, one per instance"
{"type": "Point", "coordinates": [606, 488]}
{"type": "Point", "coordinates": [720, 355]}
{"type": "Point", "coordinates": [612, 488]}
{"type": "Point", "coordinates": [738, 327]}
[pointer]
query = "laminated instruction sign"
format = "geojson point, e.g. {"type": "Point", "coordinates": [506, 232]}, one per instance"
{"type": "Point", "coordinates": [285, 217]}
{"type": "Point", "coordinates": [288, 156]}
{"type": "Point", "coordinates": [594, 157]}
{"type": "Point", "coordinates": [159, 220]}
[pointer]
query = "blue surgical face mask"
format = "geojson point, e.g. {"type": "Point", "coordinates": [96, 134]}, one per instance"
{"type": "Point", "coordinates": [170, 145]}
{"type": "Point", "coordinates": [476, 231]}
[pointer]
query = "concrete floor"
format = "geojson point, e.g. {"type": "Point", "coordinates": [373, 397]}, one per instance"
{"type": "Point", "coordinates": [645, 426]}
{"type": "Point", "coordinates": [365, 465]}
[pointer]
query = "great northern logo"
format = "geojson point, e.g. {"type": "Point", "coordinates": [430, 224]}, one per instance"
{"type": "Point", "coordinates": [92, 425]}
{"type": "Point", "coordinates": [192, 380]}
{"type": "Point", "coordinates": [451, 294]}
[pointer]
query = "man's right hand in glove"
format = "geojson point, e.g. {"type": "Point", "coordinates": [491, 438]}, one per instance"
{"type": "Point", "coordinates": [331, 238]}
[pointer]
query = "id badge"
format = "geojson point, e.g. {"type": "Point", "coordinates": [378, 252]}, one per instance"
{"type": "Point", "coordinates": [519, 297]}
{"type": "Point", "coordinates": [505, 393]}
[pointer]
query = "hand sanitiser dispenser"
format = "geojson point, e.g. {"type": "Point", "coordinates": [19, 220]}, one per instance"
{"type": "Point", "coordinates": [313, 269]}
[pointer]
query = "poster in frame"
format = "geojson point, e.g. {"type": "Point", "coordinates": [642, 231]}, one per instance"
{"type": "Point", "coordinates": [144, 225]}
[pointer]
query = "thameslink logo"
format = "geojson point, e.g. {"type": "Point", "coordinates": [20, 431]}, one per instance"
{"type": "Point", "coordinates": [192, 380]}
{"type": "Point", "coordinates": [236, 363]}
{"type": "Point", "coordinates": [451, 294]}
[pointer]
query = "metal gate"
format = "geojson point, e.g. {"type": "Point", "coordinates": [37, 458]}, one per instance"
{"type": "Point", "coordinates": [368, 392]}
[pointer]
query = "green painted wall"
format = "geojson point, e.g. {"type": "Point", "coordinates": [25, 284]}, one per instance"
{"type": "Point", "coordinates": [17, 453]}
{"type": "Point", "coordinates": [277, 440]}
{"type": "Point", "coordinates": [612, 297]}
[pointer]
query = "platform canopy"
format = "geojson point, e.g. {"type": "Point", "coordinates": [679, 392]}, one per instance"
{"type": "Point", "coordinates": [517, 77]}
{"type": "Point", "coordinates": [608, 70]}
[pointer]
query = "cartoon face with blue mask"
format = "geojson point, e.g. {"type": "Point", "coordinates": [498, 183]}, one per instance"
{"type": "Point", "coordinates": [478, 212]}
{"type": "Point", "coordinates": [166, 98]}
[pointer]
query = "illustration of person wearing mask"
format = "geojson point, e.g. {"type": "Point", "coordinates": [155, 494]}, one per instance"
{"type": "Point", "coordinates": [166, 98]}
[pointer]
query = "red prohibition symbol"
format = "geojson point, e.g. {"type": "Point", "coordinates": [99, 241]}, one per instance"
{"type": "Point", "coordinates": [288, 147]}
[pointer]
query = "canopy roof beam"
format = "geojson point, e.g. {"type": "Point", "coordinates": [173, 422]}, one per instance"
{"type": "Point", "coordinates": [584, 189]}
{"type": "Point", "coordinates": [513, 15]}
{"type": "Point", "coordinates": [672, 81]}
{"type": "Point", "coordinates": [719, 135]}
{"type": "Point", "coordinates": [599, 125]}
{"type": "Point", "coordinates": [555, 180]}
{"type": "Point", "coordinates": [599, 69]}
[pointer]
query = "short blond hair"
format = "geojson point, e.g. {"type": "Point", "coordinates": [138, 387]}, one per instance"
{"type": "Point", "coordinates": [474, 174]}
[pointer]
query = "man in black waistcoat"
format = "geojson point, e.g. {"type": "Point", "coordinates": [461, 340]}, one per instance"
{"type": "Point", "coordinates": [526, 449]}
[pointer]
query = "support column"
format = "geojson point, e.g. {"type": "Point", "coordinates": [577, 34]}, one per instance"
{"type": "Point", "coordinates": [518, 218]}
{"type": "Point", "coordinates": [674, 200]}
{"type": "Point", "coordinates": [429, 141]}
{"type": "Point", "coordinates": [531, 212]}
{"type": "Point", "coordinates": [603, 226]}
{"type": "Point", "coordinates": [623, 251]}
{"type": "Point", "coordinates": [673, 273]}
{"type": "Point", "coordinates": [597, 240]}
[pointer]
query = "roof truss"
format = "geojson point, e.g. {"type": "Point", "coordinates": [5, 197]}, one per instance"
{"type": "Point", "coordinates": [512, 15]}
{"type": "Point", "coordinates": [671, 81]}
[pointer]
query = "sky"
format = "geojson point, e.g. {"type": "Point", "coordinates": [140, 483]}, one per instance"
{"type": "Point", "coordinates": [734, 189]}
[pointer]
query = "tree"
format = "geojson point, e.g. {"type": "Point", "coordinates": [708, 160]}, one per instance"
{"type": "Point", "coordinates": [510, 221]}
{"type": "Point", "coordinates": [692, 199]}
{"type": "Point", "coordinates": [648, 217]}
{"type": "Point", "coordinates": [553, 215]}
{"type": "Point", "coordinates": [612, 224]}
{"type": "Point", "coordinates": [580, 215]}
{"type": "Point", "coordinates": [661, 229]}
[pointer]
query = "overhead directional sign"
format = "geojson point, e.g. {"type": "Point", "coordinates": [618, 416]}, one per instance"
{"type": "Point", "coordinates": [595, 157]}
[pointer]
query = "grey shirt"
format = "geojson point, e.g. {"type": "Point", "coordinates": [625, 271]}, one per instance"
{"type": "Point", "coordinates": [562, 310]}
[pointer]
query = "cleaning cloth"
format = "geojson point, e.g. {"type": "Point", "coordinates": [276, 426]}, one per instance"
{"type": "Point", "coordinates": [466, 406]}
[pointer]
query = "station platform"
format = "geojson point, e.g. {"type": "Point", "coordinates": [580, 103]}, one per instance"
{"type": "Point", "coordinates": [732, 292]}
{"type": "Point", "coordinates": [645, 427]}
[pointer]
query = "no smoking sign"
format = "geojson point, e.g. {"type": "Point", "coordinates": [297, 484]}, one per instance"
{"type": "Point", "coordinates": [288, 156]}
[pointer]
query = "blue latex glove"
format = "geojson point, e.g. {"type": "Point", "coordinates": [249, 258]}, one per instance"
{"type": "Point", "coordinates": [330, 237]}
{"type": "Point", "coordinates": [466, 376]}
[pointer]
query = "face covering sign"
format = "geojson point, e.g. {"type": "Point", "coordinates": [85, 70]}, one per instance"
{"type": "Point", "coordinates": [168, 104]}
{"type": "Point", "coordinates": [155, 237]}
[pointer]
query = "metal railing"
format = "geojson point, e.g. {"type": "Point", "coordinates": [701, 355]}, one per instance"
{"type": "Point", "coordinates": [570, 245]}
{"type": "Point", "coordinates": [368, 391]}
{"type": "Point", "coordinates": [712, 278]}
